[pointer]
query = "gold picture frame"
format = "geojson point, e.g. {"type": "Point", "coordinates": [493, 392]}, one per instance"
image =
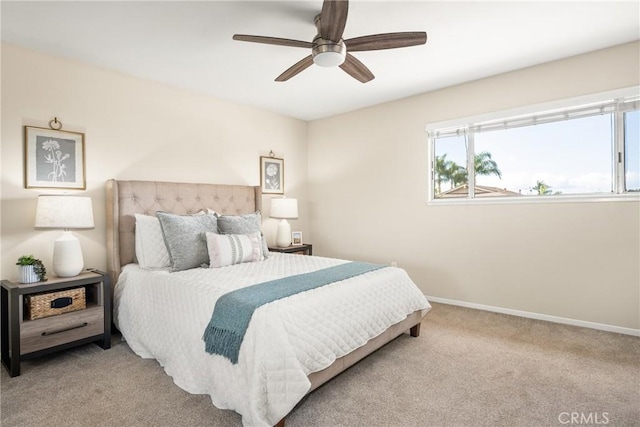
{"type": "Point", "coordinates": [271, 175]}
{"type": "Point", "coordinates": [54, 159]}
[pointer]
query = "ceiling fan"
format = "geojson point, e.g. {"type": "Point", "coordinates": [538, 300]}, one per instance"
{"type": "Point", "coordinates": [328, 49]}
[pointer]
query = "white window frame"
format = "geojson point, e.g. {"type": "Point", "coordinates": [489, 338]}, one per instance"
{"type": "Point", "coordinates": [545, 112]}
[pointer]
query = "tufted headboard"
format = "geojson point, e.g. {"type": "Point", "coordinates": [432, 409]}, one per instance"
{"type": "Point", "coordinates": [126, 198]}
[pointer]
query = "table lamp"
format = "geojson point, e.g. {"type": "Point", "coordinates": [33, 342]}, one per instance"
{"type": "Point", "coordinates": [284, 209]}
{"type": "Point", "coordinates": [65, 212]}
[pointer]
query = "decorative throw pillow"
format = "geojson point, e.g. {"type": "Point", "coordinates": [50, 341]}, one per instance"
{"type": "Point", "coordinates": [243, 224]}
{"type": "Point", "coordinates": [151, 251]}
{"type": "Point", "coordinates": [230, 249]}
{"type": "Point", "coordinates": [185, 238]}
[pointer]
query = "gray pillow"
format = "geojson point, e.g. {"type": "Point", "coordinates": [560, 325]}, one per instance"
{"type": "Point", "coordinates": [243, 224]}
{"type": "Point", "coordinates": [185, 238]}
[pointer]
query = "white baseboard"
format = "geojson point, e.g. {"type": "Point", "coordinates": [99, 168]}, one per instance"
{"type": "Point", "coordinates": [538, 316]}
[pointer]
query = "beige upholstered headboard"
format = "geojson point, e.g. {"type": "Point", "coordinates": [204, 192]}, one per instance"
{"type": "Point", "coordinates": [126, 198]}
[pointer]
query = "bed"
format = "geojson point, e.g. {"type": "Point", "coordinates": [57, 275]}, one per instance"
{"type": "Point", "coordinates": [291, 346]}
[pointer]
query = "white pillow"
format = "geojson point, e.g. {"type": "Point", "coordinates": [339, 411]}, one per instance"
{"type": "Point", "coordinates": [229, 249]}
{"type": "Point", "coordinates": [151, 251]}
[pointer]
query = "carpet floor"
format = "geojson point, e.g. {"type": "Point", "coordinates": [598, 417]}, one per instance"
{"type": "Point", "coordinates": [467, 368]}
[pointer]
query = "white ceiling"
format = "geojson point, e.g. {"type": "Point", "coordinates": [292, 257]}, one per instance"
{"type": "Point", "coordinates": [189, 44]}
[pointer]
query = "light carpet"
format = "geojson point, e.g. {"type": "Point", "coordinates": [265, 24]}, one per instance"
{"type": "Point", "coordinates": [467, 368]}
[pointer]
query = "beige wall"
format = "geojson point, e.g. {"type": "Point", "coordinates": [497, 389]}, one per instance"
{"type": "Point", "coordinates": [368, 186]}
{"type": "Point", "coordinates": [366, 189]}
{"type": "Point", "coordinates": [134, 129]}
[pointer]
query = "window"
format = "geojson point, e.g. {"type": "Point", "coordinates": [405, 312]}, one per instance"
{"type": "Point", "coordinates": [632, 150]}
{"type": "Point", "coordinates": [584, 150]}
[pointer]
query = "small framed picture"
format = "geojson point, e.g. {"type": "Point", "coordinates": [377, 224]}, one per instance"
{"type": "Point", "coordinates": [296, 238]}
{"type": "Point", "coordinates": [272, 175]}
{"type": "Point", "coordinates": [53, 159]}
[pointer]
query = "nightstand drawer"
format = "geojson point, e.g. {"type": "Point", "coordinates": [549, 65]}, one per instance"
{"type": "Point", "coordinates": [45, 333]}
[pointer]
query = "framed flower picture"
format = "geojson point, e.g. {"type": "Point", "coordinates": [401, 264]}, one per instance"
{"type": "Point", "coordinates": [271, 175]}
{"type": "Point", "coordinates": [53, 159]}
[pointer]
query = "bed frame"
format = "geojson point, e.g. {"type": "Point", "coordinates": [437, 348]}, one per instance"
{"type": "Point", "coordinates": [126, 198]}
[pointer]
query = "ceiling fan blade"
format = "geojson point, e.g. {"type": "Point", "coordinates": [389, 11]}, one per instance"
{"type": "Point", "coordinates": [272, 40]}
{"type": "Point", "coordinates": [386, 41]}
{"type": "Point", "coordinates": [296, 68]}
{"type": "Point", "coordinates": [357, 69]}
{"type": "Point", "coordinates": [333, 19]}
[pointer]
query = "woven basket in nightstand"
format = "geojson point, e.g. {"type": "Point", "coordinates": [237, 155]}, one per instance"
{"type": "Point", "coordinates": [52, 303]}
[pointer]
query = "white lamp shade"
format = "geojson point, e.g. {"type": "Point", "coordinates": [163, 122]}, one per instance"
{"type": "Point", "coordinates": [284, 208]}
{"type": "Point", "coordinates": [65, 212]}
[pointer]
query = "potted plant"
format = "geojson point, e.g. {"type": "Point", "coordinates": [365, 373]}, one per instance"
{"type": "Point", "coordinates": [31, 270]}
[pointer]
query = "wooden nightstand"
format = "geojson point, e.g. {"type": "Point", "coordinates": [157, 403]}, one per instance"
{"type": "Point", "coordinates": [304, 249]}
{"type": "Point", "coordinates": [25, 339]}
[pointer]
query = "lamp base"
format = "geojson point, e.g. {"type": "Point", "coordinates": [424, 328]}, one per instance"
{"type": "Point", "coordinates": [67, 256]}
{"type": "Point", "coordinates": [283, 236]}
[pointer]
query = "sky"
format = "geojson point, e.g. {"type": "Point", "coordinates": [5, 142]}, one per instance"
{"type": "Point", "coordinates": [571, 157]}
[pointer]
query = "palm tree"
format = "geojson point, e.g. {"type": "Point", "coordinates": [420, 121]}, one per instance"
{"type": "Point", "coordinates": [459, 175]}
{"type": "Point", "coordinates": [450, 171]}
{"type": "Point", "coordinates": [442, 171]}
{"type": "Point", "coordinates": [542, 189]}
{"type": "Point", "coordinates": [485, 165]}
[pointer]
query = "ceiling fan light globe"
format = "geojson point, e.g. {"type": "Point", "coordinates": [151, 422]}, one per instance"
{"type": "Point", "coordinates": [328, 59]}
{"type": "Point", "coordinates": [327, 53]}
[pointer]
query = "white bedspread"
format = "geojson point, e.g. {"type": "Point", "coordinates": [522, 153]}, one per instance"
{"type": "Point", "coordinates": [163, 315]}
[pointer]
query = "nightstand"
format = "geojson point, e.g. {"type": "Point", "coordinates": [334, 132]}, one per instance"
{"type": "Point", "coordinates": [24, 339]}
{"type": "Point", "coordinates": [304, 249]}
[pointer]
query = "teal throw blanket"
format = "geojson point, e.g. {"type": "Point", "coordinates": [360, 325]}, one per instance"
{"type": "Point", "coordinates": [233, 311]}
